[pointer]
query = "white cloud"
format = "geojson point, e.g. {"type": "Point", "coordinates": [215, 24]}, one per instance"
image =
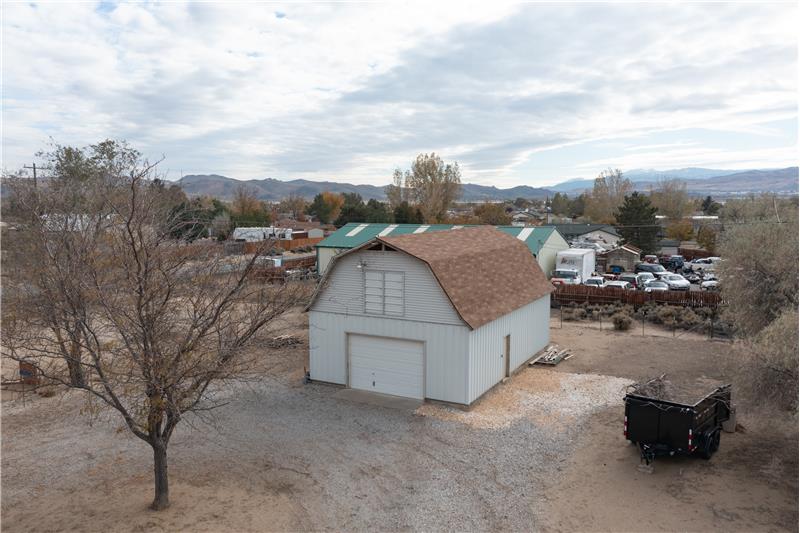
{"type": "Point", "coordinates": [348, 91]}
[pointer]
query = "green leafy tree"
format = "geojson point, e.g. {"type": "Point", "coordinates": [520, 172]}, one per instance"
{"type": "Point", "coordinates": [407, 214]}
{"type": "Point", "coordinates": [377, 211]}
{"type": "Point", "coordinates": [577, 206]}
{"type": "Point", "coordinates": [636, 218]}
{"type": "Point", "coordinates": [353, 210]}
{"type": "Point", "coordinates": [326, 206]}
{"type": "Point", "coordinates": [709, 206]}
{"type": "Point", "coordinates": [560, 204]}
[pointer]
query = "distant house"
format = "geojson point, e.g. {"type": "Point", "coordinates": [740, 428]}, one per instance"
{"type": "Point", "coordinates": [625, 257]}
{"type": "Point", "coordinates": [543, 242]}
{"type": "Point", "coordinates": [602, 234]}
{"type": "Point", "coordinates": [422, 315]}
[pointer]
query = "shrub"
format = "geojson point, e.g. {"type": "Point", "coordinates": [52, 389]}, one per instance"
{"type": "Point", "coordinates": [666, 315]}
{"type": "Point", "coordinates": [688, 319]}
{"type": "Point", "coordinates": [622, 321]}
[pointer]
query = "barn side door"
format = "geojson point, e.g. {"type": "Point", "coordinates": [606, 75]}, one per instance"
{"type": "Point", "coordinates": [507, 355]}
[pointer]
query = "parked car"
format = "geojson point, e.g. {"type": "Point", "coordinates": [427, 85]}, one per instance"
{"type": "Point", "coordinates": [650, 259]}
{"type": "Point", "coordinates": [705, 263]}
{"type": "Point", "coordinates": [643, 278]}
{"type": "Point", "coordinates": [619, 285]}
{"type": "Point", "coordinates": [674, 262]}
{"type": "Point", "coordinates": [676, 282]}
{"type": "Point", "coordinates": [631, 278]}
{"type": "Point", "coordinates": [649, 267]}
{"type": "Point", "coordinates": [693, 277]}
{"type": "Point", "coordinates": [711, 285]}
{"type": "Point", "coordinates": [656, 285]}
{"type": "Point", "coordinates": [595, 282]}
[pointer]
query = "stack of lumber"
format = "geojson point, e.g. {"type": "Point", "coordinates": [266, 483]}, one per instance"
{"type": "Point", "coordinates": [552, 355]}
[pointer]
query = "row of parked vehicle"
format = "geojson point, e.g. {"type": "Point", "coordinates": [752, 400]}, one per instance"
{"type": "Point", "coordinates": [652, 277]}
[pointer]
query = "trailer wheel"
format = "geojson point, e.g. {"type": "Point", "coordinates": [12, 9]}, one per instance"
{"type": "Point", "coordinates": [715, 440]}
{"type": "Point", "coordinates": [710, 444]}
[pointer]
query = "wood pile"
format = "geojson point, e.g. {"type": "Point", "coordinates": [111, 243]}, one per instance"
{"type": "Point", "coordinates": [283, 341]}
{"type": "Point", "coordinates": [552, 355]}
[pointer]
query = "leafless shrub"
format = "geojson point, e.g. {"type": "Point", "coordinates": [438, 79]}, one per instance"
{"type": "Point", "coordinates": [622, 321]}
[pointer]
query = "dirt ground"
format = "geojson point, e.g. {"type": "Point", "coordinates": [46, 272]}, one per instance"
{"type": "Point", "coordinates": [749, 485]}
{"type": "Point", "coordinates": [543, 451]}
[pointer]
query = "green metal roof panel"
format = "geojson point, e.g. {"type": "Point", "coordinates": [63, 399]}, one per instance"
{"type": "Point", "coordinates": [355, 234]}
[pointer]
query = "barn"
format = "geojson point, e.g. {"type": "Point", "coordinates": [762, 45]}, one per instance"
{"type": "Point", "coordinates": [423, 316]}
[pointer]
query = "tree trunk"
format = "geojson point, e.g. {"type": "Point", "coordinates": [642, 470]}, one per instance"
{"type": "Point", "coordinates": [76, 378]}
{"type": "Point", "coordinates": [161, 499]}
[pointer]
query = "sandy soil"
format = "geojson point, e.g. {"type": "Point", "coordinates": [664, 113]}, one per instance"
{"type": "Point", "coordinates": [751, 484]}
{"type": "Point", "coordinates": [542, 451]}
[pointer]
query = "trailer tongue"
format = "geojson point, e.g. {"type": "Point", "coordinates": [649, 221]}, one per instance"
{"type": "Point", "coordinates": [666, 418]}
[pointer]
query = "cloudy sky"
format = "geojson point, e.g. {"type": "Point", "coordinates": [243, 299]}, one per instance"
{"type": "Point", "coordinates": [517, 93]}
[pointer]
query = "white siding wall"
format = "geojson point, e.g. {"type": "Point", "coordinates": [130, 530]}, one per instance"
{"type": "Point", "coordinates": [547, 255]}
{"type": "Point", "coordinates": [324, 256]}
{"type": "Point", "coordinates": [424, 299]}
{"type": "Point", "coordinates": [529, 327]}
{"type": "Point", "coordinates": [446, 349]}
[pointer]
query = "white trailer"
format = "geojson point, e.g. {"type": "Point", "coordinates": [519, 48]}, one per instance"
{"type": "Point", "coordinates": [574, 266]}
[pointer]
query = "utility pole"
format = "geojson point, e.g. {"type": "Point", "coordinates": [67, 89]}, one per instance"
{"type": "Point", "coordinates": [34, 174]}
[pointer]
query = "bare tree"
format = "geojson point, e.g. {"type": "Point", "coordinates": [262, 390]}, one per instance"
{"type": "Point", "coordinates": [294, 204]}
{"type": "Point", "coordinates": [159, 324]}
{"type": "Point", "coordinates": [397, 191]}
{"type": "Point", "coordinates": [433, 185]}
{"type": "Point", "coordinates": [608, 194]}
{"type": "Point", "coordinates": [671, 198]}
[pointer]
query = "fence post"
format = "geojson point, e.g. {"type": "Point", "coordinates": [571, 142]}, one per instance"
{"type": "Point", "coordinates": [562, 315]}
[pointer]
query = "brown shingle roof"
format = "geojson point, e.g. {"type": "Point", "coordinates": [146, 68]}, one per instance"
{"type": "Point", "coordinates": [486, 273]}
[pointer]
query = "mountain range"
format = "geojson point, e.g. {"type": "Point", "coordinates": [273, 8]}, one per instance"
{"type": "Point", "coordinates": [271, 189]}
{"type": "Point", "coordinates": [703, 181]}
{"type": "Point", "coordinates": [699, 181]}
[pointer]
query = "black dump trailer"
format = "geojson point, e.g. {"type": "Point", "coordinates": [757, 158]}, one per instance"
{"type": "Point", "coordinates": [665, 419]}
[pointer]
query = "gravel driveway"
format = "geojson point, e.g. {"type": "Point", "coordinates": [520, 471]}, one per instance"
{"type": "Point", "coordinates": [342, 465]}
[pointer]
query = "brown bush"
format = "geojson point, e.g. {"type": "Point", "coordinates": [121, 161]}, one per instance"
{"type": "Point", "coordinates": [622, 321]}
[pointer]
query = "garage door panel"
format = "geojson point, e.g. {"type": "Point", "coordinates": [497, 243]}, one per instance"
{"type": "Point", "coordinates": [388, 366]}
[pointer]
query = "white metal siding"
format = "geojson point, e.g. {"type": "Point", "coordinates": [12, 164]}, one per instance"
{"type": "Point", "coordinates": [529, 327]}
{"type": "Point", "coordinates": [324, 256]}
{"type": "Point", "coordinates": [388, 366]}
{"type": "Point", "coordinates": [547, 255]}
{"type": "Point", "coordinates": [423, 298]}
{"type": "Point", "coordinates": [446, 349]}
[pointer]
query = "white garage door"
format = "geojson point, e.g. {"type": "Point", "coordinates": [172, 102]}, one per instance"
{"type": "Point", "coordinates": [388, 366]}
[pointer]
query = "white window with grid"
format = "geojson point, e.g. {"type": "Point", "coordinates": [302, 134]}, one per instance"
{"type": "Point", "coordinates": [383, 293]}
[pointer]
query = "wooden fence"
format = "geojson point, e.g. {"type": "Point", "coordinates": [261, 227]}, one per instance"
{"type": "Point", "coordinates": [565, 294]}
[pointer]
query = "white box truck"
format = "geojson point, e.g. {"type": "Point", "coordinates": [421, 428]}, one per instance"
{"type": "Point", "coordinates": [573, 266]}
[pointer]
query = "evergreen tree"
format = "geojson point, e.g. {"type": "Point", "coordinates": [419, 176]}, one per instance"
{"type": "Point", "coordinates": [636, 218]}
{"type": "Point", "coordinates": [353, 210]}
{"type": "Point", "coordinates": [406, 214]}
